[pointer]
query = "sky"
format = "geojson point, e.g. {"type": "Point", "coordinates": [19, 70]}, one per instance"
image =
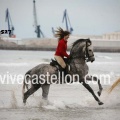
{"type": "Point", "coordinates": [87, 17]}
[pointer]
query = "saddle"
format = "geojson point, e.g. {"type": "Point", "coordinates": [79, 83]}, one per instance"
{"type": "Point", "coordinates": [56, 64]}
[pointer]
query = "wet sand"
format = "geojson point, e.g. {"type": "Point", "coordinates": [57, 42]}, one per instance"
{"type": "Point", "coordinates": [66, 102]}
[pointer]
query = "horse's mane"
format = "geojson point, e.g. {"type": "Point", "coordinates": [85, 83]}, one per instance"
{"type": "Point", "coordinates": [81, 40]}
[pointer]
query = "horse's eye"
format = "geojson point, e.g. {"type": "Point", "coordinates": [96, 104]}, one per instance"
{"type": "Point", "coordinates": [90, 50]}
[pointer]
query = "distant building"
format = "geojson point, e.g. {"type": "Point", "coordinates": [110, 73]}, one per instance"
{"type": "Point", "coordinates": [86, 36]}
{"type": "Point", "coordinates": [112, 36]}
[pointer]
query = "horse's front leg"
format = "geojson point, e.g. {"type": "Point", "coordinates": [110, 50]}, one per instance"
{"type": "Point", "coordinates": [93, 78]}
{"type": "Point", "coordinates": [91, 91]}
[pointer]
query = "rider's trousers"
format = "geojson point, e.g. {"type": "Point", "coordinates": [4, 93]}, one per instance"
{"type": "Point", "coordinates": [60, 61]}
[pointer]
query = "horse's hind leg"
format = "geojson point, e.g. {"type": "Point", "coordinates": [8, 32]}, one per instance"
{"type": "Point", "coordinates": [92, 92]}
{"type": "Point", "coordinates": [30, 92]}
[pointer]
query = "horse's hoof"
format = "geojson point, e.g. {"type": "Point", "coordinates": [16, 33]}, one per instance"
{"type": "Point", "coordinates": [99, 93]}
{"type": "Point", "coordinates": [100, 103]}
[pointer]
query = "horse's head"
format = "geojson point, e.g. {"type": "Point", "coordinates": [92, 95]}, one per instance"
{"type": "Point", "coordinates": [82, 48]}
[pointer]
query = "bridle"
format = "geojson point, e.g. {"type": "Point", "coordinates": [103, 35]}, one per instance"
{"type": "Point", "coordinates": [87, 56]}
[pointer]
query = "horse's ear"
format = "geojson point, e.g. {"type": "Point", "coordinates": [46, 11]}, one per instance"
{"type": "Point", "coordinates": [89, 41]}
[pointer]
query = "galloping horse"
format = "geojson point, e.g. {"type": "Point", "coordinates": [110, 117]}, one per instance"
{"type": "Point", "coordinates": [80, 53]}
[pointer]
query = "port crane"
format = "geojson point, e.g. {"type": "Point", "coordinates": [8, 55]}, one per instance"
{"type": "Point", "coordinates": [38, 31]}
{"type": "Point", "coordinates": [10, 25]}
{"type": "Point", "coordinates": [67, 21]}
{"type": "Point", "coordinates": [53, 31]}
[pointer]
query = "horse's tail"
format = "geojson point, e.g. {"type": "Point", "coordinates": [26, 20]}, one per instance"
{"type": "Point", "coordinates": [25, 81]}
{"type": "Point", "coordinates": [114, 85]}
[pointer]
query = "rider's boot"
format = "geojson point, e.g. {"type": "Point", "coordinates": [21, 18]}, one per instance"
{"type": "Point", "coordinates": [61, 73]}
{"type": "Point", "coordinates": [65, 73]}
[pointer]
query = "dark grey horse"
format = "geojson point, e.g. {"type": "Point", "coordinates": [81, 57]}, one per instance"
{"type": "Point", "coordinates": [80, 53]}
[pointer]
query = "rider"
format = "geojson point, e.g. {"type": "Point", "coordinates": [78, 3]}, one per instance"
{"type": "Point", "coordinates": [62, 48]}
